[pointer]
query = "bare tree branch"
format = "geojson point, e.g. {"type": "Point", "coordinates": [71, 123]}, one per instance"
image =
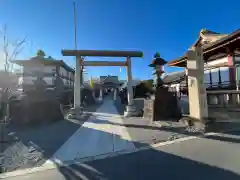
{"type": "Point", "coordinates": [11, 50]}
{"type": "Point", "coordinates": [5, 47]}
{"type": "Point", "coordinates": [17, 49]}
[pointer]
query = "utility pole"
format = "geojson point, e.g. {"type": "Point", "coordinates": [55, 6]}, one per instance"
{"type": "Point", "coordinates": [78, 70]}
{"type": "Point", "coordinates": [75, 25]}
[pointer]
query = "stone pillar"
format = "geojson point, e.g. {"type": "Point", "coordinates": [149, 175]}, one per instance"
{"type": "Point", "coordinates": [100, 98]}
{"type": "Point", "coordinates": [93, 94]}
{"type": "Point", "coordinates": [213, 100]}
{"type": "Point", "coordinates": [76, 111]}
{"type": "Point", "coordinates": [115, 94]}
{"type": "Point", "coordinates": [77, 90]}
{"type": "Point", "coordinates": [130, 108]}
{"type": "Point", "coordinates": [197, 92]}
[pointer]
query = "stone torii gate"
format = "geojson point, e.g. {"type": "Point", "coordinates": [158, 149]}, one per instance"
{"type": "Point", "coordinates": [80, 63]}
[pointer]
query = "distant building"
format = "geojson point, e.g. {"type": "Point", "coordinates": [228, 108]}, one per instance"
{"type": "Point", "coordinates": [53, 72]}
{"type": "Point", "coordinates": [105, 82]}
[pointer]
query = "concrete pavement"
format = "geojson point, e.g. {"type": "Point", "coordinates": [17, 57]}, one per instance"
{"type": "Point", "coordinates": [212, 157]}
{"type": "Point", "coordinates": [104, 132]}
{"type": "Point", "coordinates": [98, 135]}
{"type": "Point", "coordinates": [107, 132]}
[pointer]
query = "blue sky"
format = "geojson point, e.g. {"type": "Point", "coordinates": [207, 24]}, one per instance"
{"type": "Point", "coordinates": [168, 27]}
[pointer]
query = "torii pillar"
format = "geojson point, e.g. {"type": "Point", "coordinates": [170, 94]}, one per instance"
{"type": "Point", "coordinates": [131, 110]}
{"type": "Point", "coordinates": [77, 110]}
{"type": "Point", "coordinates": [197, 92]}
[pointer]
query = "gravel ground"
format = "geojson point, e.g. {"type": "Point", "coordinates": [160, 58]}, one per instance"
{"type": "Point", "coordinates": [143, 132]}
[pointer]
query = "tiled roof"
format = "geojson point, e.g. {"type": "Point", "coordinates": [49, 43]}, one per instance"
{"type": "Point", "coordinates": [44, 60]}
{"type": "Point", "coordinates": [174, 76]}
{"type": "Point", "coordinates": [207, 37]}
{"type": "Point", "coordinates": [209, 40]}
{"type": "Point", "coordinates": [134, 83]}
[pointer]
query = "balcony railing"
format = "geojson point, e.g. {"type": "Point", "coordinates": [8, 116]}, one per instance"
{"type": "Point", "coordinates": [224, 98]}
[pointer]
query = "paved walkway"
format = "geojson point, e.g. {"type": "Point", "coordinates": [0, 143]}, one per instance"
{"type": "Point", "coordinates": [97, 136]}
{"type": "Point", "coordinates": [106, 132]}
{"type": "Point", "coordinates": [212, 157]}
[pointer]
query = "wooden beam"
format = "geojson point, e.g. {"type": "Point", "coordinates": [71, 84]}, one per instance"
{"type": "Point", "coordinates": [104, 63]}
{"type": "Point", "coordinates": [105, 53]}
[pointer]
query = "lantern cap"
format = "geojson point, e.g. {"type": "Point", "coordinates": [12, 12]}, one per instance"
{"type": "Point", "coordinates": [157, 61]}
{"type": "Point", "coordinates": [157, 55]}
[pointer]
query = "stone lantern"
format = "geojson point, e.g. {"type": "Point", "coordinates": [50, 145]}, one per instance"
{"type": "Point", "coordinates": [158, 65]}
{"type": "Point", "coordinates": [164, 103]}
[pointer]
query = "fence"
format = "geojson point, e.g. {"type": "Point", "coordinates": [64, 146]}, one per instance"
{"type": "Point", "coordinates": [222, 95]}
{"type": "Point", "coordinates": [224, 98]}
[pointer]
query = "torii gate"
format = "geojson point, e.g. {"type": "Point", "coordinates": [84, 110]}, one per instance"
{"type": "Point", "coordinates": [79, 54]}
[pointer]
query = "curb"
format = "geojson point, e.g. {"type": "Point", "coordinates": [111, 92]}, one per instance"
{"type": "Point", "coordinates": [51, 165]}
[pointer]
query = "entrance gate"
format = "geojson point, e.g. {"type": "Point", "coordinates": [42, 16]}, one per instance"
{"type": "Point", "coordinates": [80, 63]}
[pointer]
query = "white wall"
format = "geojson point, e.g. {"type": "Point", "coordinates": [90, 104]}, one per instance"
{"type": "Point", "coordinates": [67, 74]}
{"type": "Point", "coordinates": [49, 69]}
{"type": "Point", "coordinates": [37, 67]}
{"type": "Point", "coordinates": [33, 68]}
{"type": "Point", "coordinates": [215, 78]}
{"type": "Point", "coordinates": [62, 71]}
{"type": "Point", "coordinates": [26, 80]}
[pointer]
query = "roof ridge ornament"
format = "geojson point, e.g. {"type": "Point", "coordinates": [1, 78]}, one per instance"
{"type": "Point", "coordinates": [40, 53]}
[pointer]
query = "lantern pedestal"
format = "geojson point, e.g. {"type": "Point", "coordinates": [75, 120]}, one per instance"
{"type": "Point", "coordinates": [166, 106]}
{"type": "Point", "coordinates": [76, 113]}
{"type": "Point", "coordinates": [131, 111]}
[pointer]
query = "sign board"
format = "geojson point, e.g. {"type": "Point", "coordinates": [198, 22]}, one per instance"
{"type": "Point", "coordinates": [191, 64]}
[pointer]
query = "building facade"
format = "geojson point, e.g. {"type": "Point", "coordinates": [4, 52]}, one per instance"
{"type": "Point", "coordinates": [53, 73]}
{"type": "Point", "coordinates": [221, 54]}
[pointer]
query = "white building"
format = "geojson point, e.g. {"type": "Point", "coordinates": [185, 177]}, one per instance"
{"type": "Point", "coordinates": [48, 69]}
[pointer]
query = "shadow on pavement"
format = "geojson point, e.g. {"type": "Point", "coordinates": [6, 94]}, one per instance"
{"type": "Point", "coordinates": [232, 136]}
{"type": "Point", "coordinates": [150, 164]}
{"type": "Point", "coordinates": [222, 138]}
{"type": "Point", "coordinates": [147, 164]}
{"type": "Point", "coordinates": [32, 145]}
{"type": "Point", "coordinates": [150, 127]}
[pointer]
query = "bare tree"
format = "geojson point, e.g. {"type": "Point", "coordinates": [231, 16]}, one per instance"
{"type": "Point", "coordinates": [10, 49]}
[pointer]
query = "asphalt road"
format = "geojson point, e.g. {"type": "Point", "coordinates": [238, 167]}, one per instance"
{"type": "Point", "coordinates": [214, 157]}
